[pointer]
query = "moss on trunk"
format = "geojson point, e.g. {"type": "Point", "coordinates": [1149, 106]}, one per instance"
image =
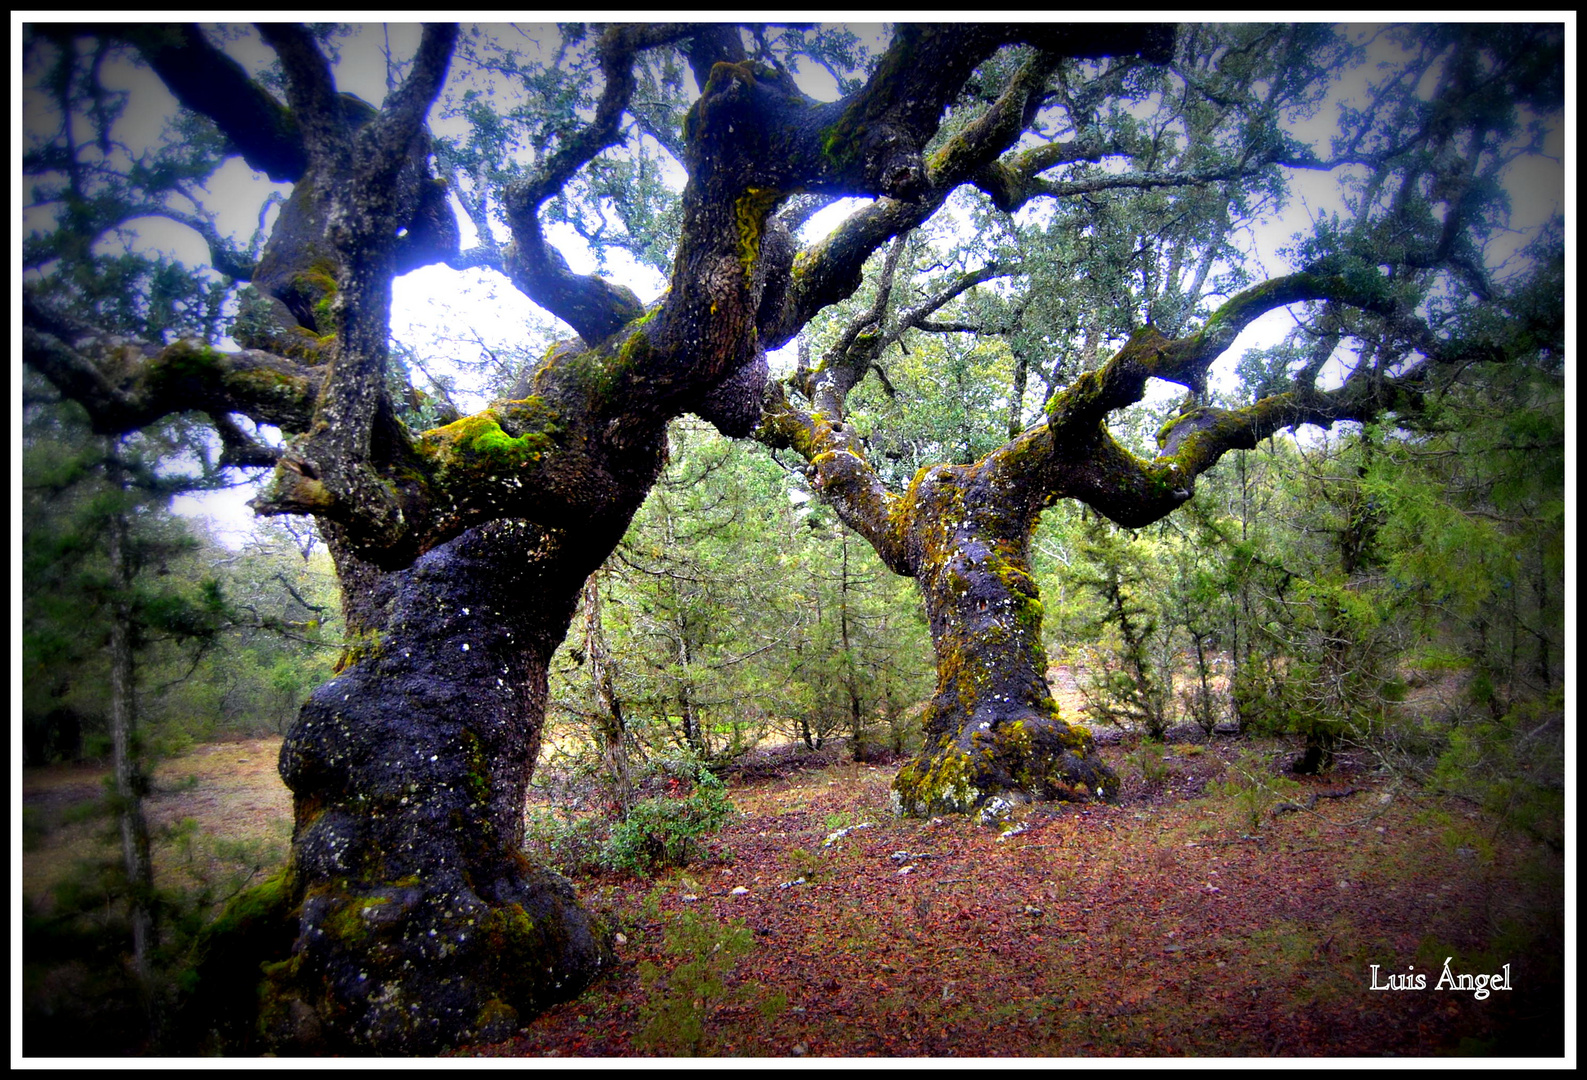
{"type": "Point", "coordinates": [419, 924]}
{"type": "Point", "coordinates": [992, 729]}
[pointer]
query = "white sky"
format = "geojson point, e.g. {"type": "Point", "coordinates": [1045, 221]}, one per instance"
{"type": "Point", "coordinates": [436, 302]}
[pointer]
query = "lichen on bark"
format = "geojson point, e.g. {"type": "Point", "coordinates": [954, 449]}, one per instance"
{"type": "Point", "coordinates": [992, 728]}
{"type": "Point", "coordinates": [409, 920]}
{"type": "Point", "coordinates": [416, 908]}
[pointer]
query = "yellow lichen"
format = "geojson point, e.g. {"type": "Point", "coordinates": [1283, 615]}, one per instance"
{"type": "Point", "coordinates": [750, 214]}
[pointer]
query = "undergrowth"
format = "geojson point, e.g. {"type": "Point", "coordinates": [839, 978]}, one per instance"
{"type": "Point", "coordinates": [1253, 790]}
{"type": "Point", "coordinates": [678, 1000]}
{"type": "Point", "coordinates": [663, 830]}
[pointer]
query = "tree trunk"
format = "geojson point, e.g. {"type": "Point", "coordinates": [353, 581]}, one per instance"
{"type": "Point", "coordinates": [130, 783]}
{"type": "Point", "coordinates": [858, 747]}
{"type": "Point", "coordinates": [420, 922]}
{"type": "Point", "coordinates": [963, 534]}
{"type": "Point", "coordinates": [992, 729]}
{"type": "Point", "coordinates": [609, 726]}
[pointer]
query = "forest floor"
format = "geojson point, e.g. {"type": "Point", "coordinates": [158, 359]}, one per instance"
{"type": "Point", "coordinates": [1198, 916]}
{"type": "Point", "coordinates": [219, 815]}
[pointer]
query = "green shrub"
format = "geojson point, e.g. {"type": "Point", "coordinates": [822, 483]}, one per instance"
{"type": "Point", "coordinates": [1148, 760]}
{"type": "Point", "coordinates": [1253, 790]}
{"type": "Point", "coordinates": [663, 831]}
{"type": "Point", "coordinates": [564, 842]}
{"type": "Point", "coordinates": [678, 1001]}
{"type": "Point", "coordinates": [1513, 765]}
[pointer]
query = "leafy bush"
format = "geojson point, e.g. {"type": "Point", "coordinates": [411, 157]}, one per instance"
{"type": "Point", "coordinates": [664, 831]}
{"type": "Point", "coordinates": [34, 828]}
{"type": "Point", "coordinates": [81, 995]}
{"type": "Point", "coordinates": [1253, 790]}
{"type": "Point", "coordinates": [566, 843]}
{"type": "Point", "coordinates": [1514, 765]}
{"type": "Point", "coordinates": [1130, 690]}
{"type": "Point", "coordinates": [1149, 761]}
{"type": "Point", "coordinates": [1202, 705]}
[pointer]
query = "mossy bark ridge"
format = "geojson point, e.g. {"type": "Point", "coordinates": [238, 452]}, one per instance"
{"type": "Point", "coordinates": [420, 922]}
{"type": "Point", "coordinates": [992, 730]}
{"type": "Point", "coordinates": [416, 923]}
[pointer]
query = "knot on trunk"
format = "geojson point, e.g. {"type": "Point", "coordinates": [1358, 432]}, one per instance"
{"type": "Point", "coordinates": [894, 166]}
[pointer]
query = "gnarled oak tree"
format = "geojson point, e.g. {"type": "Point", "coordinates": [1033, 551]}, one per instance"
{"type": "Point", "coordinates": [408, 918]}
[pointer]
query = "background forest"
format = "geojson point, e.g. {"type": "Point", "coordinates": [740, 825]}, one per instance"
{"type": "Point", "coordinates": [1356, 593]}
{"type": "Point", "coordinates": [1391, 592]}
{"type": "Point", "coordinates": [1309, 586]}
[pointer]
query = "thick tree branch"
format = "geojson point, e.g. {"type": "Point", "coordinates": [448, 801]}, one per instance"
{"type": "Point", "coordinates": [1009, 183]}
{"type": "Point", "coordinates": [715, 43]}
{"type": "Point", "coordinates": [1149, 354]}
{"type": "Point", "coordinates": [127, 385]}
{"type": "Point", "coordinates": [594, 307]}
{"type": "Point", "coordinates": [617, 49]}
{"type": "Point", "coordinates": [212, 84]}
{"type": "Point", "coordinates": [831, 270]}
{"type": "Point", "coordinates": [541, 457]}
{"type": "Point", "coordinates": [483, 255]}
{"type": "Point", "coordinates": [837, 465]}
{"type": "Point", "coordinates": [1133, 492]}
{"type": "Point", "coordinates": [840, 474]}
{"type": "Point", "coordinates": [1072, 455]}
{"type": "Point", "coordinates": [1061, 189]}
{"type": "Point", "coordinates": [311, 91]}
{"type": "Point", "coordinates": [347, 235]}
{"type": "Point", "coordinates": [933, 326]}
{"type": "Point", "coordinates": [238, 449]}
{"type": "Point", "coordinates": [403, 112]}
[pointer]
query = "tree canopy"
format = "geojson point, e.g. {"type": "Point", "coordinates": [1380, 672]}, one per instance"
{"type": "Point", "coordinates": [1053, 218]}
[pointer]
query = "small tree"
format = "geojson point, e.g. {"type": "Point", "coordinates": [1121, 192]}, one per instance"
{"type": "Point", "coordinates": [95, 577]}
{"type": "Point", "coordinates": [1133, 684]}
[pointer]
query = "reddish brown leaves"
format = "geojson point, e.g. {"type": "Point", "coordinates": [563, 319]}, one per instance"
{"type": "Point", "coordinates": [1150, 928]}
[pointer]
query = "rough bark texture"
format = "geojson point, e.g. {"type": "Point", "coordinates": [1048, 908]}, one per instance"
{"type": "Point", "coordinates": [993, 730]}
{"type": "Point", "coordinates": [420, 921]}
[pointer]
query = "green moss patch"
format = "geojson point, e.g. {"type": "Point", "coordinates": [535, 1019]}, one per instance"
{"type": "Point", "coordinates": [481, 446]}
